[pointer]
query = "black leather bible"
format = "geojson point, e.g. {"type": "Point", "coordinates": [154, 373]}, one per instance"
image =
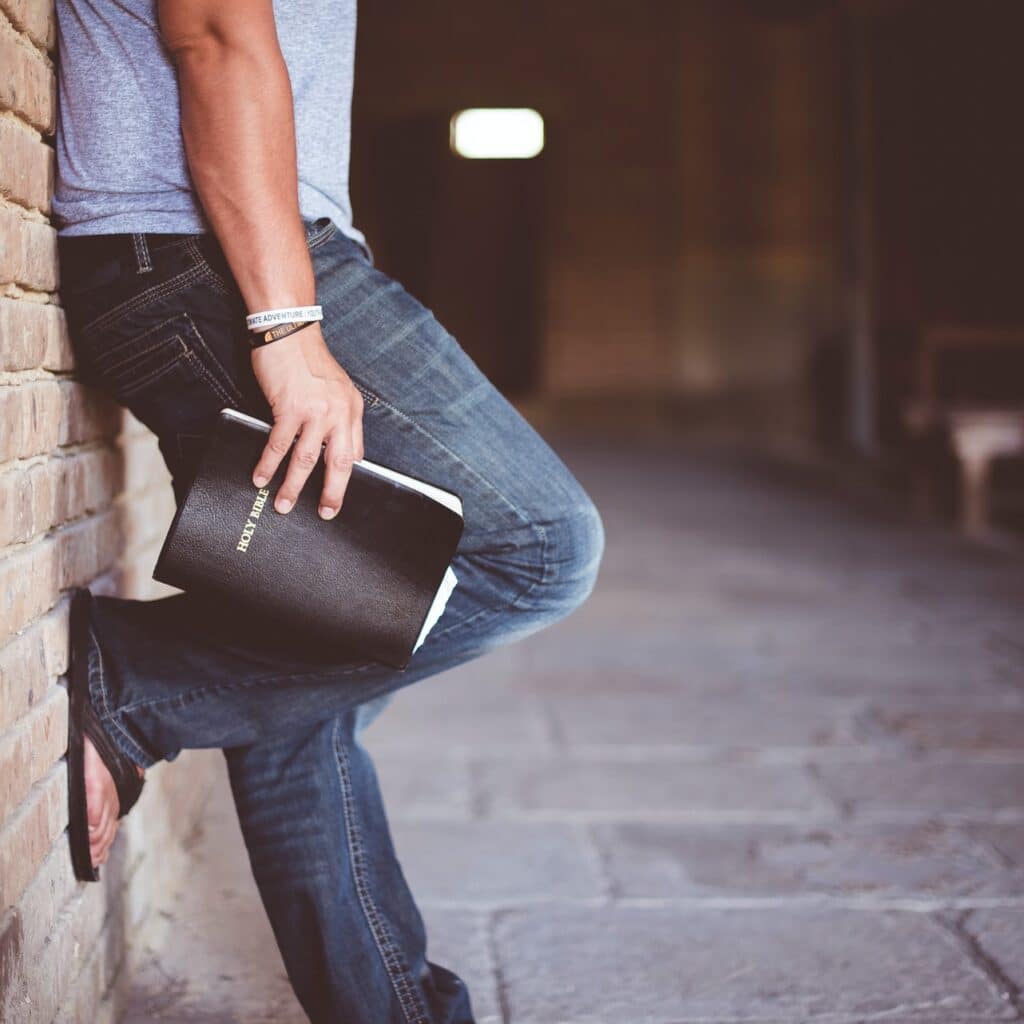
{"type": "Point", "coordinates": [371, 582]}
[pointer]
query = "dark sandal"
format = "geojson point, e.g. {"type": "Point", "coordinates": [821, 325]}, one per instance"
{"type": "Point", "coordinates": [82, 722]}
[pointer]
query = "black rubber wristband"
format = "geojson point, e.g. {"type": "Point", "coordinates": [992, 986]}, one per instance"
{"type": "Point", "coordinates": [259, 338]}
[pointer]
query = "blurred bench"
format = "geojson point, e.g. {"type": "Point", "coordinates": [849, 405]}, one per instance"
{"type": "Point", "coordinates": [968, 384]}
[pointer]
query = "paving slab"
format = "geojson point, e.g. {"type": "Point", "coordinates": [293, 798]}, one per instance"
{"type": "Point", "coordinates": [755, 720]}
{"type": "Point", "coordinates": [1000, 937]}
{"type": "Point", "coordinates": [611, 965]}
{"type": "Point", "coordinates": [962, 727]}
{"type": "Point", "coordinates": [495, 862]}
{"type": "Point", "coordinates": [912, 788]}
{"type": "Point", "coordinates": [873, 862]}
{"type": "Point", "coordinates": [592, 788]}
{"type": "Point", "coordinates": [423, 785]}
{"type": "Point", "coordinates": [1007, 841]}
{"type": "Point", "coordinates": [438, 718]}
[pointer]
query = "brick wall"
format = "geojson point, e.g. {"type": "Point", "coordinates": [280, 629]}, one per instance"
{"type": "Point", "coordinates": [84, 499]}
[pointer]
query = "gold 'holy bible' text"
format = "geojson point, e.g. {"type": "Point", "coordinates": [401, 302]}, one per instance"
{"type": "Point", "coordinates": [250, 524]}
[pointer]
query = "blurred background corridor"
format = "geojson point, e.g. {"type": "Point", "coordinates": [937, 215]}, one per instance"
{"type": "Point", "coordinates": [760, 284]}
{"type": "Point", "coordinates": [793, 221]}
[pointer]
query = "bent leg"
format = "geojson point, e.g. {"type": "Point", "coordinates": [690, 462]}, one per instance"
{"type": "Point", "coordinates": [169, 675]}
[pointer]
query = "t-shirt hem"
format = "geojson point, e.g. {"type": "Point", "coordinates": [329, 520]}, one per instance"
{"type": "Point", "coordinates": [179, 224]}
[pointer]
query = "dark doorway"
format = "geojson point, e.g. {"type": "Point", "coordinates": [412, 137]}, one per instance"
{"type": "Point", "coordinates": [463, 236]}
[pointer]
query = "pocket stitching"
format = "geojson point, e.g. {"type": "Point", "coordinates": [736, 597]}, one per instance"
{"type": "Point", "coordinates": [159, 291]}
{"type": "Point", "coordinates": [322, 235]}
{"type": "Point", "coordinates": [107, 365]}
{"type": "Point", "coordinates": [369, 398]}
{"type": "Point", "coordinates": [204, 371]}
{"type": "Point", "coordinates": [213, 276]}
{"type": "Point", "coordinates": [190, 345]}
{"type": "Point", "coordinates": [125, 390]}
{"type": "Point", "coordinates": [210, 366]}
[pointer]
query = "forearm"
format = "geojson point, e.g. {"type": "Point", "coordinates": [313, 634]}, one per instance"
{"type": "Point", "coordinates": [239, 133]}
{"type": "Point", "coordinates": [238, 125]}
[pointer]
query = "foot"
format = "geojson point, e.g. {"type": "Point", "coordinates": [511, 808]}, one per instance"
{"type": "Point", "coordinates": [102, 804]}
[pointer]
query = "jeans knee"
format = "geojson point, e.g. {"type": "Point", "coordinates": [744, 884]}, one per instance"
{"type": "Point", "coordinates": [574, 547]}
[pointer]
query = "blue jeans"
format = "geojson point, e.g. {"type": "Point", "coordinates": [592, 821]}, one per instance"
{"type": "Point", "coordinates": [157, 321]}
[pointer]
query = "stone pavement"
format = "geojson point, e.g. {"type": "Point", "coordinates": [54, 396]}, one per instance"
{"type": "Point", "coordinates": [772, 771]}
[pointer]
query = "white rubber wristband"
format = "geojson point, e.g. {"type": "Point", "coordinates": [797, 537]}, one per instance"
{"type": "Point", "coordinates": [272, 317]}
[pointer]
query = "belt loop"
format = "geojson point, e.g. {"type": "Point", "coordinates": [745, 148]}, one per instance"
{"type": "Point", "coordinates": [142, 259]}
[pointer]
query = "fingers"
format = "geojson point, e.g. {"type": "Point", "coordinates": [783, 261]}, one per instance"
{"type": "Point", "coordinates": [304, 458]}
{"type": "Point", "coordinates": [328, 427]}
{"type": "Point", "coordinates": [338, 457]}
{"type": "Point", "coordinates": [357, 436]}
{"type": "Point", "coordinates": [344, 447]}
{"type": "Point", "coordinates": [282, 433]}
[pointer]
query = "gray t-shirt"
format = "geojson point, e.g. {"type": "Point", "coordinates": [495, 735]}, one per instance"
{"type": "Point", "coordinates": [121, 162]}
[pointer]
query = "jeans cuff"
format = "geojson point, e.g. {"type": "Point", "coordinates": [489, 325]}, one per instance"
{"type": "Point", "coordinates": [111, 721]}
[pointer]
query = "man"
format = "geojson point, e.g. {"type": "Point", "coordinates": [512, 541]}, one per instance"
{"type": "Point", "coordinates": [202, 158]}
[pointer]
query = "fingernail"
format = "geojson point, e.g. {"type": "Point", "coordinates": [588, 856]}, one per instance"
{"type": "Point", "coordinates": [283, 505]}
{"type": "Point", "coordinates": [259, 481]}
{"type": "Point", "coordinates": [326, 512]}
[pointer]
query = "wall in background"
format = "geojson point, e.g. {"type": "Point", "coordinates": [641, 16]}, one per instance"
{"type": "Point", "coordinates": [688, 246]}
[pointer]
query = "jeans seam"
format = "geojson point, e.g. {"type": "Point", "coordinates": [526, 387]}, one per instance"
{"type": "Point", "coordinates": [322, 235]}
{"type": "Point", "coordinates": [130, 386]}
{"type": "Point", "coordinates": [514, 603]}
{"type": "Point", "coordinates": [212, 275]}
{"type": "Point", "coordinates": [128, 745]}
{"type": "Point", "coordinates": [161, 291]}
{"type": "Point", "coordinates": [395, 966]}
{"type": "Point", "coordinates": [197, 364]}
{"type": "Point", "coordinates": [115, 358]}
{"type": "Point", "coordinates": [142, 259]}
{"type": "Point", "coordinates": [207, 691]}
{"type": "Point", "coordinates": [206, 361]}
{"type": "Point", "coordinates": [462, 462]}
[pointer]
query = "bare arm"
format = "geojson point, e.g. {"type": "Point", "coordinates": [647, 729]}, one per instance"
{"type": "Point", "coordinates": [238, 124]}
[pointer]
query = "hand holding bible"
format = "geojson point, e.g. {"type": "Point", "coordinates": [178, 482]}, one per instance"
{"type": "Point", "coordinates": [313, 397]}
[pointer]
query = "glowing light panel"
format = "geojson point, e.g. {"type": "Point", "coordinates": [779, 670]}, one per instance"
{"type": "Point", "coordinates": [497, 133]}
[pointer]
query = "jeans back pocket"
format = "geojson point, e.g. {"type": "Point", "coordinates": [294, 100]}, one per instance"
{"type": "Point", "coordinates": [131, 364]}
{"type": "Point", "coordinates": [162, 371]}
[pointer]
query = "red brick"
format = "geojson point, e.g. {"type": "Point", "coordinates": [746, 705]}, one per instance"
{"type": "Point", "coordinates": [26, 838]}
{"type": "Point", "coordinates": [30, 662]}
{"type": "Point", "coordinates": [28, 84]}
{"type": "Point", "coordinates": [28, 250]}
{"type": "Point", "coordinates": [31, 419]}
{"type": "Point", "coordinates": [33, 335]}
{"type": "Point", "coordinates": [45, 899]}
{"type": "Point", "coordinates": [27, 165]}
{"type": "Point", "coordinates": [35, 18]}
{"type": "Point", "coordinates": [88, 414]}
{"type": "Point", "coordinates": [50, 493]}
{"type": "Point", "coordinates": [43, 978]}
{"type": "Point", "coordinates": [31, 748]}
{"type": "Point", "coordinates": [32, 579]}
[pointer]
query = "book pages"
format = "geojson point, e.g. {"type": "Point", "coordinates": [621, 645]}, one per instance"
{"type": "Point", "coordinates": [440, 602]}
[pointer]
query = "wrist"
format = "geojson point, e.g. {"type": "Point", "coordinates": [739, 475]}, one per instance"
{"type": "Point", "coordinates": [307, 343]}
{"type": "Point", "coordinates": [277, 315]}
